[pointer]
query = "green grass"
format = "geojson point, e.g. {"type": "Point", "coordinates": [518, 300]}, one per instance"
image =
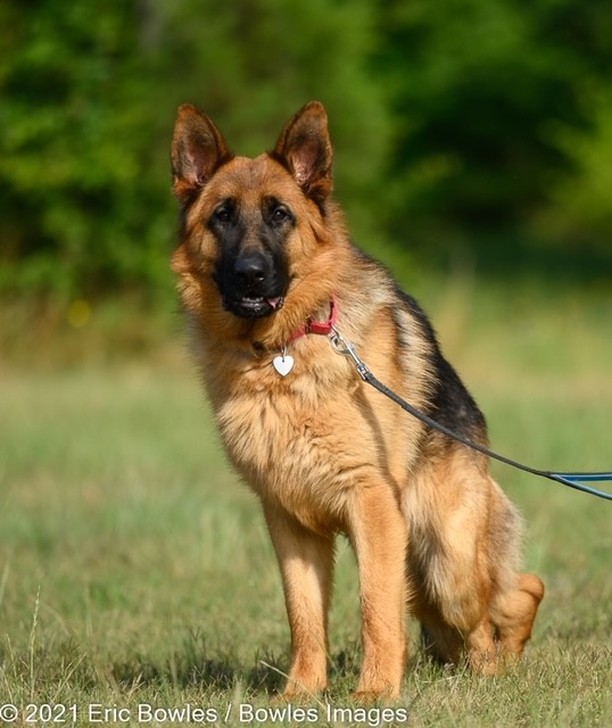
{"type": "Point", "coordinates": [135, 569]}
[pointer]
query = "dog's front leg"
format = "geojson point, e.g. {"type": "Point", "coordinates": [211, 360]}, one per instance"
{"type": "Point", "coordinates": [306, 560]}
{"type": "Point", "coordinates": [378, 533]}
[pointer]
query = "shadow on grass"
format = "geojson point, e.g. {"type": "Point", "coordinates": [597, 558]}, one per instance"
{"type": "Point", "coordinates": [199, 671]}
{"type": "Point", "coordinates": [189, 670]}
{"type": "Point", "coordinates": [194, 668]}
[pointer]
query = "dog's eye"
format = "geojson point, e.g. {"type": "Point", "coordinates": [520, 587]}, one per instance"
{"type": "Point", "coordinates": [224, 213]}
{"type": "Point", "coordinates": [279, 215]}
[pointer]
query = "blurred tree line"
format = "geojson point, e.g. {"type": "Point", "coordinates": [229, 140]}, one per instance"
{"type": "Point", "coordinates": [454, 119]}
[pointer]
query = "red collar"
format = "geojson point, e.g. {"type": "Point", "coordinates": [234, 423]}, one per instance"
{"type": "Point", "coordinates": [318, 327]}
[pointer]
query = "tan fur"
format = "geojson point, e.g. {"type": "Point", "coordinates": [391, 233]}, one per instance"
{"type": "Point", "coordinates": [328, 455]}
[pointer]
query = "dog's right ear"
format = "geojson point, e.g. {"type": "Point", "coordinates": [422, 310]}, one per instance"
{"type": "Point", "coordinates": [198, 150]}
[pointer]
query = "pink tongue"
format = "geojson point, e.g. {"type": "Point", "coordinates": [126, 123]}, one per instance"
{"type": "Point", "coordinates": [273, 302]}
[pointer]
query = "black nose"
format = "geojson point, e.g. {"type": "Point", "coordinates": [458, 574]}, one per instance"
{"type": "Point", "coordinates": [250, 270]}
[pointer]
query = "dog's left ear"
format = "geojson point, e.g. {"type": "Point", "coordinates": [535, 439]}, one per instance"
{"type": "Point", "coordinates": [198, 150]}
{"type": "Point", "coordinates": [305, 149]}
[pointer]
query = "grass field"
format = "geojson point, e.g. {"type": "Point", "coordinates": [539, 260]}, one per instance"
{"type": "Point", "coordinates": [136, 571]}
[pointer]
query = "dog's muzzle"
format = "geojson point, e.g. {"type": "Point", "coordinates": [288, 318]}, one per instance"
{"type": "Point", "coordinates": [254, 290]}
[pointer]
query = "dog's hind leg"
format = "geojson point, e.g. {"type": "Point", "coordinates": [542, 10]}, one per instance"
{"type": "Point", "coordinates": [477, 592]}
{"type": "Point", "coordinates": [457, 626]}
{"type": "Point", "coordinates": [513, 613]}
{"type": "Point", "coordinates": [450, 558]}
{"type": "Point", "coordinates": [515, 597]}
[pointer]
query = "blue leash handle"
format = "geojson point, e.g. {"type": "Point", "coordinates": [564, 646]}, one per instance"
{"type": "Point", "coordinates": [579, 480]}
{"type": "Point", "coordinates": [586, 477]}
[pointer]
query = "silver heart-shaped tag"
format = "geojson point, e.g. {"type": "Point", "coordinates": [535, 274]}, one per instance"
{"type": "Point", "coordinates": [283, 364]}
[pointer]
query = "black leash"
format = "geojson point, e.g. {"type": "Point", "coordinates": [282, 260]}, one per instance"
{"type": "Point", "coordinates": [572, 480]}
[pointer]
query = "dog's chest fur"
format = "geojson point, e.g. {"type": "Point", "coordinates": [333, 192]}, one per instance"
{"type": "Point", "coordinates": [289, 436]}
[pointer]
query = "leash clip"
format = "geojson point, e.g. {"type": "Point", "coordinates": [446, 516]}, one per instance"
{"type": "Point", "coordinates": [346, 348]}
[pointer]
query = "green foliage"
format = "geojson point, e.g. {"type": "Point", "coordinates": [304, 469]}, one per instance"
{"type": "Point", "coordinates": [579, 208]}
{"type": "Point", "coordinates": [486, 94]}
{"type": "Point", "coordinates": [453, 116]}
{"type": "Point", "coordinates": [71, 175]}
{"type": "Point", "coordinates": [90, 94]}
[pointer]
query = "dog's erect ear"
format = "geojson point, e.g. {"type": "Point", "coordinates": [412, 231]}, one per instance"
{"type": "Point", "coordinates": [305, 149]}
{"type": "Point", "coordinates": [198, 150]}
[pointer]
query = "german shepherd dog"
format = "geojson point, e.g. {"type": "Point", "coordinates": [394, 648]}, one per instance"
{"type": "Point", "coordinates": [266, 268]}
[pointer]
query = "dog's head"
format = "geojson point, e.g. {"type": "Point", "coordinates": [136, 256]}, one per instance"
{"type": "Point", "coordinates": [252, 228]}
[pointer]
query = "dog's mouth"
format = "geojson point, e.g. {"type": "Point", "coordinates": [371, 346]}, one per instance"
{"type": "Point", "coordinates": [254, 306]}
